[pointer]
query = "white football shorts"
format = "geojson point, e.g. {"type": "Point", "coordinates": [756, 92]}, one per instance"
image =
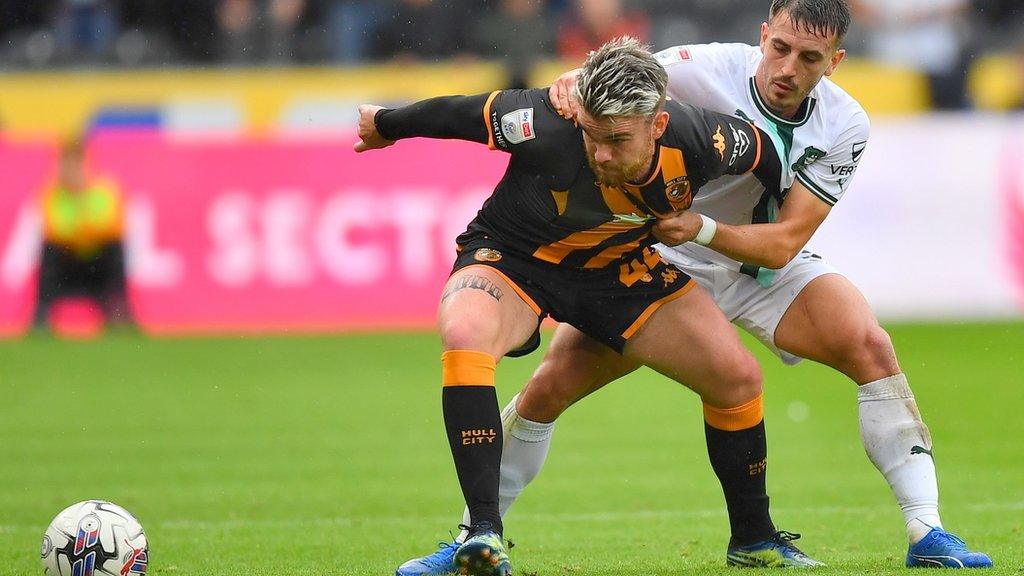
{"type": "Point", "coordinates": [756, 308]}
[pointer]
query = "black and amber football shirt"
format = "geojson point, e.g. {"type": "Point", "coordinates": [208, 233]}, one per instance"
{"type": "Point", "coordinates": [549, 204]}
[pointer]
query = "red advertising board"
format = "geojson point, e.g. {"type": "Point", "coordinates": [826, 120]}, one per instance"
{"type": "Point", "coordinates": [267, 234]}
{"type": "Point", "coordinates": [26, 167]}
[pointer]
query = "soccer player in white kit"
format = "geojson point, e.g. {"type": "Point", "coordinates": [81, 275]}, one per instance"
{"type": "Point", "coordinates": [745, 245]}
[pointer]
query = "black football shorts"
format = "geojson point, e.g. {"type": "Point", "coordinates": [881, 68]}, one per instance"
{"type": "Point", "coordinates": [608, 304]}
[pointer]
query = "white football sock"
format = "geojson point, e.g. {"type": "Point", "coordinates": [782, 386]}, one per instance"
{"type": "Point", "coordinates": [899, 445]}
{"type": "Point", "coordinates": [526, 448]}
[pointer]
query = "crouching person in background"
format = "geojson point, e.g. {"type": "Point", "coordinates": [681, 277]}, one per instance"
{"type": "Point", "coordinates": [83, 253]}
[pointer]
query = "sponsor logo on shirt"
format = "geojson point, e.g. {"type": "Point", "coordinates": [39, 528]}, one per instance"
{"type": "Point", "coordinates": [741, 143]}
{"type": "Point", "coordinates": [810, 156]}
{"type": "Point", "coordinates": [719, 139]}
{"type": "Point", "coordinates": [499, 139]}
{"type": "Point", "coordinates": [843, 170]}
{"type": "Point", "coordinates": [858, 149]}
{"type": "Point", "coordinates": [517, 126]}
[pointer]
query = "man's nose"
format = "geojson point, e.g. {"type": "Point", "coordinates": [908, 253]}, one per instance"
{"type": "Point", "coordinates": [788, 68]}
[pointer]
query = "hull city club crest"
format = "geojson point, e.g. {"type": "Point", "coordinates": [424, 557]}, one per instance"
{"type": "Point", "coordinates": [487, 255]}
{"type": "Point", "coordinates": [679, 193]}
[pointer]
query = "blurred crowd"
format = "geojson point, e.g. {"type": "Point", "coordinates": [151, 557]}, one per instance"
{"type": "Point", "coordinates": [937, 37]}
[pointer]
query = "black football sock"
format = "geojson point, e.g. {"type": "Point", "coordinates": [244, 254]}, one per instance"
{"type": "Point", "coordinates": [739, 458]}
{"type": "Point", "coordinates": [473, 424]}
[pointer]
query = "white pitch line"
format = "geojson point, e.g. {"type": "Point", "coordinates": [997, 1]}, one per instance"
{"type": "Point", "coordinates": [535, 517]}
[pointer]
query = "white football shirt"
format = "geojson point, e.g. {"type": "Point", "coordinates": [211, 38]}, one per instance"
{"type": "Point", "coordinates": [822, 146]}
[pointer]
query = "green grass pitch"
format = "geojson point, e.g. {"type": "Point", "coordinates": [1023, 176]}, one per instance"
{"type": "Point", "coordinates": [326, 455]}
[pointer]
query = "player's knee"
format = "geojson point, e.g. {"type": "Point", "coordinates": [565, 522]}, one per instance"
{"type": "Point", "coordinates": [865, 354]}
{"type": "Point", "coordinates": [749, 378]}
{"type": "Point", "coordinates": [467, 333]}
{"type": "Point", "coordinates": [878, 350]}
{"type": "Point", "coordinates": [872, 352]}
{"type": "Point", "coordinates": [742, 381]}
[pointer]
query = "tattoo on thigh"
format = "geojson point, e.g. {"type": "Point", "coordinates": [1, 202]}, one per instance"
{"type": "Point", "coordinates": [475, 283]}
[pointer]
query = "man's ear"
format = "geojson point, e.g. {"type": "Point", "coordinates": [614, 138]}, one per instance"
{"type": "Point", "coordinates": [660, 124]}
{"type": "Point", "coordinates": [836, 59]}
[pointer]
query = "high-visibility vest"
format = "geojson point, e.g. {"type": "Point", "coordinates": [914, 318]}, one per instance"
{"type": "Point", "coordinates": [84, 221]}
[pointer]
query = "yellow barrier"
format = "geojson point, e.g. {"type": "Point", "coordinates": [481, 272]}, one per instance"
{"type": "Point", "coordinates": [997, 82]}
{"type": "Point", "coordinates": [883, 89]}
{"type": "Point", "coordinates": [63, 103]}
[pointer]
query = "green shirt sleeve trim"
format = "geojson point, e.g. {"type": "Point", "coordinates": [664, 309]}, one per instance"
{"type": "Point", "coordinates": [817, 190]}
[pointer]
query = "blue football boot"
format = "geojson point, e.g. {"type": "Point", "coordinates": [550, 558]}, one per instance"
{"type": "Point", "coordinates": [483, 553]}
{"type": "Point", "coordinates": [777, 551]}
{"type": "Point", "coordinates": [435, 564]}
{"type": "Point", "coordinates": [940, 549]}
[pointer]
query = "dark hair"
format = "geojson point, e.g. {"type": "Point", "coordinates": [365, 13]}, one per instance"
{"type": "Point", "coordinates": [822, 17]}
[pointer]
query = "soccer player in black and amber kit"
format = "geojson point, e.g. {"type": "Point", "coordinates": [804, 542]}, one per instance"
{"type": "Point", "coordinates": [567, 234]}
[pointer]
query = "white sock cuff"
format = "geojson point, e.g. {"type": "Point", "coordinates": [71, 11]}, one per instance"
{"type": "Point", "coordinates": [890, 388]}
{"type": "Point", "coordinates": [509, 414]}
{"type": "Point", "coordinates": [530, 431]}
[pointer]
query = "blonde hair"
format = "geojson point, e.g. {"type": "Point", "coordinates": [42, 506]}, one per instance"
{"type": "Point", "coordinates": [621, 78]}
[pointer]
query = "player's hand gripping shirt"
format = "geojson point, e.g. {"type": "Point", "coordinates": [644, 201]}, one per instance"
{"type": "Point", "coordinates": [822, 146]}
{"type": "Point", "coordinates": [549, 204]}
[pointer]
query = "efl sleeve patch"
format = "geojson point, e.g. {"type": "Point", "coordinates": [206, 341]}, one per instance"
{"type": "Point", "coordinates": [673, 55]}
{"type": "Point", "coordinates": [517, 126]}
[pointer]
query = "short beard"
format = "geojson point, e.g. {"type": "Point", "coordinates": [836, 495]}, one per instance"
{"type": "Point", "coordinates": [631, 173]}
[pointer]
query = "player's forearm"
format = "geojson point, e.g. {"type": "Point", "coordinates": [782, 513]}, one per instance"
{"type": "Point", "coordinates": [765, 245]}
{"type": "Point", "coordinates": [458, 117]}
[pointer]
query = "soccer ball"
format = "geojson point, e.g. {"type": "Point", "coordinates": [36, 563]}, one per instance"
{"type": "Point", "coordinates": [94, 538]}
